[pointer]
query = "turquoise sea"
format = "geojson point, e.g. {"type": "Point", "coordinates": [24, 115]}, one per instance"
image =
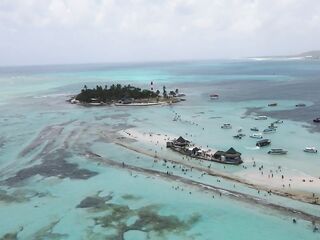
{"type": "Point", "coordinates": [73, 172]}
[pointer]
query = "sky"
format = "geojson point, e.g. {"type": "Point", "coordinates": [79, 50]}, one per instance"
{"type": "Point", "coordinates": [87, 31]}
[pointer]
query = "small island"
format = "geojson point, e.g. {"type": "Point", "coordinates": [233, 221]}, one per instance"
{"type": "Point", "coordinates": [125, 95]}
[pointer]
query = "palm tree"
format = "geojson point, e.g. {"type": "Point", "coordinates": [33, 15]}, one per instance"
{"type": "Point", "coordinates": [164, 93]}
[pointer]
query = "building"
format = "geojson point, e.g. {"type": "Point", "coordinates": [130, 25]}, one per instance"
{"type": "Point", "coordinates": [181, 142]}
{"type": "Point", "coordinates": [231, 156]}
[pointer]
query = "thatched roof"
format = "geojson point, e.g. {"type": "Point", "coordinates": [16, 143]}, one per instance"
{"type": "Point", "coordinates": [182, 140]}
{"type": "Point", "coordinates": [232, 151]}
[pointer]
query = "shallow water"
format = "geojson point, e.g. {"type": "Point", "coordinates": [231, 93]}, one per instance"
{"type": "Point", "coordinates": [46, 171]}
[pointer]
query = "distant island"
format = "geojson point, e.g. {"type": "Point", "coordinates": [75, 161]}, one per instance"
{"type": "Point", "coordinates": [305, 55]}
{"type": "Point", "coordinates": [125, 95]}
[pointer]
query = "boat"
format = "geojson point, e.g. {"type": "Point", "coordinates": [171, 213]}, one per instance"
{"type": "Point", "coordinates": [277, 151]}
{"type": "Point", "coordinates": [316, 120]}
{"type": "Point", "coordinates": [226, 126]}
{"type": "Point", "coordinates": [255, 129]}
{"type": "Point", "coordinates": [214, 96]}
{"type": "Point", "coordinates": [263, 143]}
{"type": "Point", "coordinates": [95, 102]}
{"type": "Point", "coordinates": [301, 105]}
{"type": "Point", "coordinates": [74, 101]}
{"type": "Point", "coordinates": [278, 122]}
{"type": "Point", "coordinates": [272, 104]}
{"type": "Point", "coordinates": [269, 130]}
{"type": "Point", "coordinates": [261, 118]}
{"type": "Point", "coordinates": [259, 136]}
{"type": "Point", "coordinates": [238, 136]}
{"type": "Point", "coordinates": [310, 150]}
{"type": "Point", "coordinates": [272, 126]}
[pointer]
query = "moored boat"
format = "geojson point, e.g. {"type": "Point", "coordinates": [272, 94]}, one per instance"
{"type": "Point", "coordinates": [214, 96]}
{"type": "Point", "coordinates": [269, 130]}
{"type": "Point", "coordinates": [261, 118]}
{"type": "Point", "coordinates": [310, 150]}
{"type": "Point", "coordinates": [278, 121]}
{"type": "Point", "coordinates": [273, 104]}
{"type": "Point", "coordinates": [239, 136]}
{"type": "Point", "coordinates": [300, 105]}
{"type": "Point", "coordinates": [259, 136]}
{"type": "Point", "coordinates": [272, 126]}
{"type": "Point", "coordinates": [255, 129]}
{"type": "Point", "coordinates": [277, 151]}
{"type": "Point", "coordinates": [263, 143]}
{"type": "Point", "coordinates": [316, 120]}
{"type": "Point", "coordinates": [226, 126]}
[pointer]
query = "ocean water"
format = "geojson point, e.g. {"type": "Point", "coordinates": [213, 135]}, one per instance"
{"type": "Point", "coordinates": [52, 186]}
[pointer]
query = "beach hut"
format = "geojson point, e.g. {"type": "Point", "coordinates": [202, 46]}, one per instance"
{"type": "Point", "coordinates": [193, 151]}
{"type": "Point", "coordinates": [230, 156]}
{"type": "Point", "coordinates": [181, 142]}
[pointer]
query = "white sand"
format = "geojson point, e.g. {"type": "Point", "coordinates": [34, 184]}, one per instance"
{"type": "Point", "coordinates": [250, 175]}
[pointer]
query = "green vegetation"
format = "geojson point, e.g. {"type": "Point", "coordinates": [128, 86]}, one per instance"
{"type": "Point", "coordinates": [114, 93]}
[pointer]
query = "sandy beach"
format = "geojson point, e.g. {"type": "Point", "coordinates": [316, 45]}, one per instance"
{"type": "Point", "coordinates": [294, 186]}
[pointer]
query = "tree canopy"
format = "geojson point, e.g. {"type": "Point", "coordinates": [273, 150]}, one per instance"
{"type": "Point", "coordinates": [114, 93]}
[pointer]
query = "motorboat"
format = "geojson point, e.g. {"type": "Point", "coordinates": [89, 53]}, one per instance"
{"type": "Point", "coordinates": [238, 136]}
{"type": "Point", "coordinates": [263, 143]}
{"type": "Point", "coordinates": [272, 104]}
{"type": "Point", "coordinates": [269, 130]}
{"type": "Point", "coordinates": [301, 105]}
{"type": "Point", "coordinates": [259, 136]}
{"type": "Point", "coordinates": [261, 118]}
{"type": "Point", "coordinates": [255, 129]}
{"type": "Point", "coordinates": [214, 96]}
{"type": "Point", "coordinates": [316, 120]}
{"type": "Point", "coordinates": [277, 151]}
{"type": "Point", "coordinates": [278, 122]}
{"type": "Point", "coordinates": [226, 126]}
{"type": "Point", "coordinates": [272, 126]}
{"type": "Point", "coordinates": [310, 150]}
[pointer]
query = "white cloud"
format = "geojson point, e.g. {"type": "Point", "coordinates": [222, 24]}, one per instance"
{"type": "Point", "coordinates": [44, 31]}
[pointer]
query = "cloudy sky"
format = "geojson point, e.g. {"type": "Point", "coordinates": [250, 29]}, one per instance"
{"type": "Point", "coordinates": [81, 31]}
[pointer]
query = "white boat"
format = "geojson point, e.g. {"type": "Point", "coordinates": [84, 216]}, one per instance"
{"type": "Point", "coordinates": [226, 126]}
{"type": "Point", "coordinates": [214, 96]}
{"type": "Point", "coordinates": [96, 103]}
{"type": "Point", "coordinates": [259, 136]}
{"type": "Point", "coordinates": [261, 118]}
{"type": "Point", "coordinates": [278, 151]}
{"type": "Point", "coordinates": [310, 150]}
{"type": "Point", "coordinates": [74, 101]}
{"type": "Point", "coordinates": [269, 130]}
